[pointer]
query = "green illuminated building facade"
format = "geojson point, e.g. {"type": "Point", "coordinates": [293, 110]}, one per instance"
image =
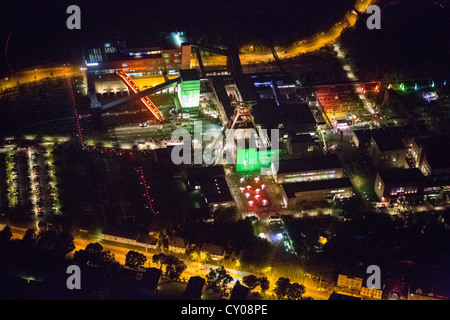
{"type": "Point", "coordinates": [250, 159]}
{"type": "Point", "coordinates": [189, 89]}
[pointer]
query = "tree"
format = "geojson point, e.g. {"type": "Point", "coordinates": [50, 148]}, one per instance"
{"type": "Point", "coordinates": [30, 236]}
{"type": "Point", "coordinates": [6, 234]}
{"type": "Point", "coordinates": [295, 291]}
{"type": "Point", "coordinates": [285, 290]}
{"type": "Point", "coordinates": [258, 252]}
{"type": "Point", "coordinates": [94, 256]}
{"type": "Point", "coordinates": [135, 259]}
{"type": "Point", "coordinates": [56, 244]}
{"type": "Point", "coordinates": [174, 266]}
{"type": "Point", "coordinates": [159, 258]}
{"type": "Point", "coordinates": [218, 279]}
{"type": "Point", "coordinates": [264, 284]}
{"type": "Point", "coordinates": [163, 241]}
{"type": "Point", "coordinates": [281, 287]}
{"type": "Point", "coordinates": [251, 281]}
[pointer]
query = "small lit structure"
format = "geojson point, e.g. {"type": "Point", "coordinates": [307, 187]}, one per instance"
{"type": "Point", "coordinates": [177, 245]}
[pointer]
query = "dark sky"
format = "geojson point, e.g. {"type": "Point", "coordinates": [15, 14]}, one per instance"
{"type": "Point", "coordinates": [39, 30]}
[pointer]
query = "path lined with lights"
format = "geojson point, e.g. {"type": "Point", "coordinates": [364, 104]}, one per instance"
{"type": "Point", "coordinates": [139, 169]}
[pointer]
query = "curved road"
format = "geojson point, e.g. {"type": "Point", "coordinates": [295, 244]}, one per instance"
{"type": "Point", "coordinates": [303, 46]}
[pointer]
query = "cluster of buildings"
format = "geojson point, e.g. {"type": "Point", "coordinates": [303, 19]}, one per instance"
{"type": "Point", "coordinates": [351, 288]}
{"type": "Point", "coordinates": [408, 166]}
{"type": "Point", "coordinates": [147, 66]}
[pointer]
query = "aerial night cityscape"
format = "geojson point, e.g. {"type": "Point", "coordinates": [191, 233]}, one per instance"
{"type": "Point", "coordinates": [199, 150]}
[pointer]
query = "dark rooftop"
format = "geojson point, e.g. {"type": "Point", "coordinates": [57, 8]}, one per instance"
{"type": "Point", "coordinates": [383, 134]}
{"type": "Point", "coordinates": [189, 75]}
{"type": "Point", "coordinates": [301, 138]}
{"type": "Point", "coordinates": [395, 176]}
{"type": "Point", "coordinates": [202, 173]}
{"type": "Point", "coordinates": [151, 277]}
{"type": "Point", "coordinates": [213, 249]}
{"type": "Point", "coordinates": [297, 113]}
{"type": "Point", "coordinates": [239, 292]}
{"type": "Point", "coordinates": [219, 88]}
{"type": "Point", "coordinates": [387, 142]}
{"type": "Point", "coordinates": [216, 190]}
{"type": "Point", "coordinates": [308, 164]}
{"type": "Point", "coordinates": [292, 188]}
{"type": "Point", "coordinates": [338, 296]}
{"type": "Point", "coordinates": [437, 151]}
{"type": "Point", "coordinates": [267, 114]}
{"type": "Point", "coordinates": [194, 288]}
{"type": "Point", "coordinates": [212, 183]}
{"type": "Point", "coordinates": [437, 181]}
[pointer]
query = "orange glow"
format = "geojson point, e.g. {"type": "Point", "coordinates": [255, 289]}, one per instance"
{"type": "Point", "coordinates": [145, 100]}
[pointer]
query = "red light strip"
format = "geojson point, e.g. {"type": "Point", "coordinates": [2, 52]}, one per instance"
{"type": "Point", "coordinates": [140, 171]}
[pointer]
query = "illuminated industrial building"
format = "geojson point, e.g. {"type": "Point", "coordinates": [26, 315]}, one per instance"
{"type": "Point", "coordinates": [394, 183]}
{"type": "Point", "coordinates": [147, 66]}
{"type": "Point", "coordinates": [315, 191]}
{"type": "Point", "coordinates": [309, 169]}
{"type": "Point", "coordinates": [387, 151]}
{"type": "Point", "coordinates": [432, 155]}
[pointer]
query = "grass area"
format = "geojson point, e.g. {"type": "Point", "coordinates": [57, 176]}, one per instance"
{"type": "Point", "coordinates": [34, 108]}
{"type": "Point", "coordinates": [98, 190]}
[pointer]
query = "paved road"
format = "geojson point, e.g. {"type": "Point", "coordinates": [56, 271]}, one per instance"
{"type": "Point", "coordinates": [304, 46]}
{"type": "Point", "coordinates": [193, 269]}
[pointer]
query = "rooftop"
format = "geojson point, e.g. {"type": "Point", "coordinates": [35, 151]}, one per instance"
{"type": "Point", "coordinates": [301, 138]}
{"type": "Point", "coordinates": [194, 287]}
{"type": "Point", "coordinates": [297, 113]}
{"type": "Point", "coordinates": [437, 150]}
{"type": "Point", "coordinates": [395, 176]}
{"type": "Point", "coordinates": [177, 242]}
{"type": "Point", "coordinates": [239, 292]}
{"type": "Point", "coordinates": [212, 183]}
{"type": "Point", "coordinates": [205, 173]}
{"type": "Point", "coordinates": [387, 141]}
{"type": "Point", "coordinates": [213, 249]}
{"type": "Point", "coordinates": [309, 164]}
{"type": "Point", "coordinates": [189, 75]}
{"type": "Point", "coordinates": [383, 134]}
{"type": "Point", "coordinates": [216, 190]}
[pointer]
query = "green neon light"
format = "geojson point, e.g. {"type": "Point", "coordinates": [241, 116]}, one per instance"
{"type": "Point", "coordinates": [250, 159]}
{"type": "Point", "coordinates": [189, 93]}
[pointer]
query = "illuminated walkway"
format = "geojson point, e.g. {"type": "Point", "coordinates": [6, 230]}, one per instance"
{"type": "Point", "coordinates": [145, 100]}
